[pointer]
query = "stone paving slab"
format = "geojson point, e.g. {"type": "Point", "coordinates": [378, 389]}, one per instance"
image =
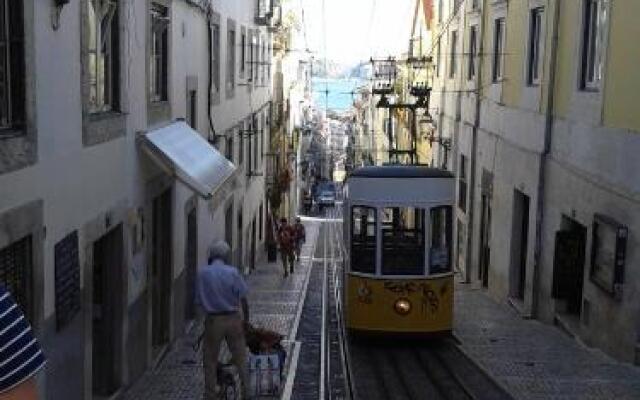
{"type": "Point", "coordinates": [535, 361]}
{"type": "Point", "coordinates": [273, 303]}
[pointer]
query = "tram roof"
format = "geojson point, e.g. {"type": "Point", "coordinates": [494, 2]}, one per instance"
{"type": "Point", "coordinates": [400, 171]}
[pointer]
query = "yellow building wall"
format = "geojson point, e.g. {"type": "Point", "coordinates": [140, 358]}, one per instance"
{"type": "Point", "coordinates": [622, 79]}
{"type": "Point", "coordinates": [566, 64]}
{"type": "Point", "coordinates": [515, 49]}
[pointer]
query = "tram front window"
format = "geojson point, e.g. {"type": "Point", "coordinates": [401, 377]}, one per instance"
{"type": "Point", "coordinates": [403, 241]}
{"type": "Point", "coordinates": [363, 240]}
{"type": "Point", "coordinates": [441, 237]}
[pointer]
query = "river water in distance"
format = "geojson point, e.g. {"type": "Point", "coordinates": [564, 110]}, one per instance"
{"type": "Point", "coordinates": [335, 94]}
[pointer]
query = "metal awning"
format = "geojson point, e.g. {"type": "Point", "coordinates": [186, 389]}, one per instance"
{"type": "Point", "coordinates": [183, 153]}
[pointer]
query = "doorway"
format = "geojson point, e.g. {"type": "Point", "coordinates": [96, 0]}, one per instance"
{"type": "Point", "coordinates": [568, 266]}
{"type": "Point", "coordinates": [519, 245]}
{"type": "Point", "coordinates": [485, 239]}
{"type": "Point", "coordinates": [108, 295]}
{"type": "Point", "coordinates": [161, 270]}
{"type": "Point", "coordinates": [253, 244]}
{"type": "Point", "coordinates": [240, 240]}
{"type": "Point", "coordinates": [191, 259]}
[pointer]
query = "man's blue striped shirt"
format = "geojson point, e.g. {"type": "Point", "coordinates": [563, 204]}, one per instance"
{"type": "Point", "coordinates": [20, 353]}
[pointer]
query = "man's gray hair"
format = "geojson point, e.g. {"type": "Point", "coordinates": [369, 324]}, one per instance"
{"type": "Point", "coordinates": [220, 250]}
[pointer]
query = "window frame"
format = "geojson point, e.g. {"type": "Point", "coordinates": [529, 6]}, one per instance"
{"type": "Point", "coordinates": [449, 238]}
{"type": "Point", "coordinates": [535, 46]}
{"type": "Point", "coordinates": [159, 56]}
{"type": "Point", "coordinates": [243, 51]}
{"type": "Point", "coordinates": [373, 269]}
{"type": "Point", "coordinates": [230, 81]}
{"type": "Point", "coordinates": [595, 15]}
{"type": "Point", "coordinates": [453, 65]}
{"type": "Point", "coordinates": [15, 84]}
{"type": "Point", "coordinates": [473, 52]}
{"type": "Point", "coordinates": [111, 70]}
{"type": "Point", "coordinates": [419, 230]}
{"type": "Point", "coordinates": [216, 63]}
{"type": "Point", "coordinates": [499, 37]}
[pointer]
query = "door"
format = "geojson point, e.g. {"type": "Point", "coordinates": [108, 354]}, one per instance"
{"type": "Point", "coordinates": [485, 240]}
{"type": "Point", "coordinates": [161, 270]}
{"type": "Point", "coordinates": [240, 255]}
{"type": "Point", "coordinates": [108, 295]}
{"type": "Point", "coordinates": [253, 243]}
{"type": "Point", "coordinates": [191, 259]}
{"type": "Point", "coordinates": [519, 245]}
{"type": "Point", "coordinates": [568, 267]}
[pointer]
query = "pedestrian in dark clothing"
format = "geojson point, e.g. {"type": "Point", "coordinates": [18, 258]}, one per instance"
{"type": "Point", "coordinates": [300, 237]}
{"type": "Point", "coordinates": [286, 240]}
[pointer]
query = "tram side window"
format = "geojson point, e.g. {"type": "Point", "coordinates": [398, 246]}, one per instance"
{"type": "Point", "coordinates": [403, 241]}
{"type": "Point", "coordinates": [363, 240]}
{"type": "Point", "coordinates": [441, 239]}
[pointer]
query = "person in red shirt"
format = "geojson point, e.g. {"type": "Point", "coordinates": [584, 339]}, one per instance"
{"type": "Point", "coordinates": [286, 240]}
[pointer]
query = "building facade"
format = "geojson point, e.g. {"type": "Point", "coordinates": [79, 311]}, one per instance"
{"type": "Point", "coordinates": [537, 97]}
{"type": "Point", "coordinates": [99, 242]}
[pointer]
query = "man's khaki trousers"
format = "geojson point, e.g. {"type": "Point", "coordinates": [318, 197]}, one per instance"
{"type": "Point", "coordinates": [229, 328]}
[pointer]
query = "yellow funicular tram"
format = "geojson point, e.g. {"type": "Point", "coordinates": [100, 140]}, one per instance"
{"type": "Point", "coordinates": [398, 232]}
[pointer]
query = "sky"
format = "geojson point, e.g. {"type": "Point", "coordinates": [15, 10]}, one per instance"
{"type": "Point", "coordinates": [358, 29]}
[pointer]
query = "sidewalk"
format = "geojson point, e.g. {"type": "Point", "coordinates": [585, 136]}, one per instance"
{"type": "Point", "coordinates": [274, 303]}
{"type": "Point", "coordinates": [533, 360]}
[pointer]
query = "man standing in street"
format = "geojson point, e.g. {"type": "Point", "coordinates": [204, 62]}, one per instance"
{"type": "Point", "coordinates": [286, 238]}
{"type": "Point", "coordinates": [221, 292]}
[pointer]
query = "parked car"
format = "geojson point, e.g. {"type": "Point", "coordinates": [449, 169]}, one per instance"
{"type": "Point", "coordinates": [327, 198]}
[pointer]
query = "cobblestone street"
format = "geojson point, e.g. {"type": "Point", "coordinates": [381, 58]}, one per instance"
{"type": "Point", "coordinates": [532, 360]}
{"type": "Point", "coordinates": [274, 303]}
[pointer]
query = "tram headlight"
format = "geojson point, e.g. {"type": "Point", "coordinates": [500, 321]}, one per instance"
{"type": "Point", "coordinates": [402, 306]}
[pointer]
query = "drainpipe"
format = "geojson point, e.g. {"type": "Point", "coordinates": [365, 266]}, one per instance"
{"type": "Point", "coordinates": [548, 130]}
{"type": "Point", "coordinates": [474, 147]}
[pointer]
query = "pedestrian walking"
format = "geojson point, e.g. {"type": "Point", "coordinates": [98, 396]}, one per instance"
{"type": "Point", "coordinates": [21, 357]}
{"type": "Point", "coordinates": [221, 292]}
{"type": "Point", "coordinates": [300, 237]}
{"type": "Point", "coordinates": [286, 240]}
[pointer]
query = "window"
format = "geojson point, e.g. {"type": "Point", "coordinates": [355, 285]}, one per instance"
{"type": "Point", "coordinates": [15, 271]}
{"type": "Point", "coordinates": [473, 52]}
{"type": "Point", "coordinates": [608, 255]}
{"type": "Point", "coordinates": [439, 60]}
{"type": "Point", "coordinates": [229, 147]}
{"type": "Point", "coordinates": [231, 59]}
{"type": "Point", "coordinates": [475, 4]}
{"type": "Point", "coordinates": [440, 249]}
{"type": "Point", "coordinates": [250, 61]}
{"type": "Point", "coordinates": [260, 221]}
{"type": "Point", "coordinates": [215, 55]}
{"type": "Point", "coordinates": [440, 10]}
{"type": "Point", "coordinates": [159, 62]}
{"type": "Point", "coordinates": [254, 133]}
{"type": "Point", "coordinates": [363, 239]}
{"type": "Point", "coordinates": [241, 146]}
{"type": "Point", "coordinates": [12, 64]}
{"type": "Point", "coordinates": [595, 20]}
{"type": "Point", "coordinates": [403, 241]}
{"type": "Point", "coordinates": [255, 57]}
{"type": "Point", "coordinates": [262, 131]}
{"type": "Point", "coordinates": [498, 49]}
{"type": "Point", "coordinates": [454, 56]}
{"type": "Point", "coordinates": [535, 42]}
{"type": "Point", "coordinates": [103, 55]}
{"type": "Point", "coordinates": [243, 50]}
{"type": "Point", "coordinates": [462, 184]}
{"type": "Point", "coordinates": [192, 104]}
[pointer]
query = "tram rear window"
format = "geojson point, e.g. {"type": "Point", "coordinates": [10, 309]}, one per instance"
{"type": "Point", "coordinates": [363, 239]}
{"type": "Point", "coordinates": [441, 238]}
{"type": "Point", "coordinates": [403, 241]}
